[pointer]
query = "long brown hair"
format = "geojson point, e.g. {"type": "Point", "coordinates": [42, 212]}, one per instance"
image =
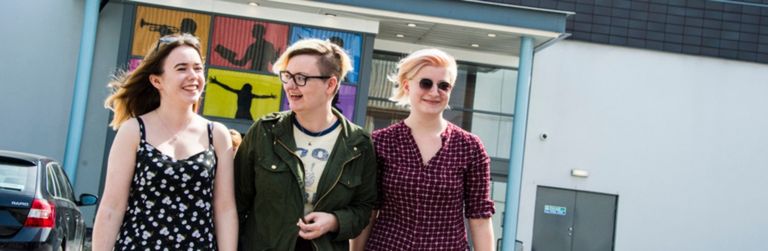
{"type": "Point", "coordinates": [132, 93]}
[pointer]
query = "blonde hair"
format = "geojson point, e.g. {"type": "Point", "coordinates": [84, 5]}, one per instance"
{"type": "Point", "coordinates": [132, 93]}
{"type": "Point", "coordinates": [409, 66]}
{"type": "Point", "coordinates": [236, 138]}
{"type": "Point", "coordinates": [333, 60]}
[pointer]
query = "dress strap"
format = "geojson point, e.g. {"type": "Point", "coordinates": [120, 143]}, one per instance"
{"type": "Point", "coordinates": [142, 130]}
{"type": "Point", "coordinates": [210, 134]}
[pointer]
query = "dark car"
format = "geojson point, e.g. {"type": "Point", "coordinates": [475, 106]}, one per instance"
{"type": "Point", "coordinates": [38, 210]}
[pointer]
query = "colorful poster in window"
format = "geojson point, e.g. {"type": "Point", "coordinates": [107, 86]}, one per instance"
{"type": "Point", "coordinates": [133, 63]}
{"type": "Point", "coordinates": [344, 102]}
{"type": "Point", "coordinates": [351, 42]}
{"type": "Point", "coordinates": [239, 95]}
{"type": "Point", "coordinates": [247, 44]}
{"type": "Point", "coordinates": [152, 23]}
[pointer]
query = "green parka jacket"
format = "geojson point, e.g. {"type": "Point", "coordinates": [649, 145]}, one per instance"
{"type": "Point", "coordinates": [269, 185]}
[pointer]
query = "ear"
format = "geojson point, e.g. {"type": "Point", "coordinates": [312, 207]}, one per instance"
{"type": "Point", "coordinates": [155, 80]}
{"type": "Point", "coordinates": [405, 85]}
{"type": "Point", "coordinates": [332, 83]}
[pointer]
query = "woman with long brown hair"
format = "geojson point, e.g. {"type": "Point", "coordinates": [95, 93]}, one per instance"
{"type": "Point", "coordinates": [169, 178]}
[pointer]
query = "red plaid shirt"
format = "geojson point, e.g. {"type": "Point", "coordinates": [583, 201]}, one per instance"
{"type": "Point", "coordinates": [423, 207]}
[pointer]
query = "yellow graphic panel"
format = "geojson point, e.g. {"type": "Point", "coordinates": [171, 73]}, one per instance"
{"type": "Point", "coordinates": [239, 95]}
{"type": "Point", "coordinates": [152, 23]}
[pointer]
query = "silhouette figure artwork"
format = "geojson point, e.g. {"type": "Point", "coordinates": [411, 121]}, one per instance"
{"type": "Point", "coordinates": [260, 53]}
{"type": "Point", "coordinates": [244, 97]}
{"type": "Point", "coordinates": [187, 26]}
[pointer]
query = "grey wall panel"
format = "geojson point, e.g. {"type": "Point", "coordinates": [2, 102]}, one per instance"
{"type": "Point", "coordinates": [38, 61]}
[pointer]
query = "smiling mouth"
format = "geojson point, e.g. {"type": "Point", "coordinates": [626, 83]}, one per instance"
{"type": "Point", "coordinates": [295, 96]}
{"type": "Point", "coordinates": [191, 87]}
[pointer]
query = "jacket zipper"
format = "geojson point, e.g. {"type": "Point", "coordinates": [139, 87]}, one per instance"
{"type": "Point", "coordinates": [302, 173]}
{"type": "Point", "coordinates": [329, 191]}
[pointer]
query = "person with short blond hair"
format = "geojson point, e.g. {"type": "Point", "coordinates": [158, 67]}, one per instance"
{"type": "Point", "coordinates": [432, 174]}
{"type": "Point", "coordinates": [306, 178]}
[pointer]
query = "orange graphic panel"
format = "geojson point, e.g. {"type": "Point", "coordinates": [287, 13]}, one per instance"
{"type": "Point", "coordinates": [152, 23]}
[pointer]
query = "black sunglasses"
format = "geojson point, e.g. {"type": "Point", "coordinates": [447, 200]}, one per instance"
{"type": "Point", "coordinates": [426, 84]}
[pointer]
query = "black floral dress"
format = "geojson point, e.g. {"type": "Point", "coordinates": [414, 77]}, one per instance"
{"type": "Point", "coordinates": [169, 206]}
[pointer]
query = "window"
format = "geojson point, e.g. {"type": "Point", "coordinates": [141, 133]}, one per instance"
{"type": "Point", "coordinates": [51, 182]}
{"type": "Point", "coordinates": [63, 183]}
{"type": "Point", "coordinates": [17, 177]}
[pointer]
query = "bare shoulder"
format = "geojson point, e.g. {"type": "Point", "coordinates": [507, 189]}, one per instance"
{"type": "Point", "coordinates": [221, 134]}
{"type": "Point", "coordinates": [219, 128]}
{"type": "Point", "coordinates": [129, 132]}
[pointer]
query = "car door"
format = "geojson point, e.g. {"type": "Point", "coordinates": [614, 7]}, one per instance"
{"type": "Point", "coordinates": [61, 193]}
{"type": "Point", "coordinates": [75, 221]}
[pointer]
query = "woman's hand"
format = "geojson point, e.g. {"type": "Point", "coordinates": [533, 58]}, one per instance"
{"type": "Point", "coordinates": [316, 224]}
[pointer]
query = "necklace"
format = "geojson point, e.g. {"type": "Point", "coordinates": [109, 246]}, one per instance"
{"type": "Point", "coordinates": [174, 136]}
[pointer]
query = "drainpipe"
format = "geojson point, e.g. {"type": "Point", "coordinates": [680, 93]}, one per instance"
{"type": "Point", "coordinates": [82, 84]}
{"type": "Point", "coordinates": [516, 151]}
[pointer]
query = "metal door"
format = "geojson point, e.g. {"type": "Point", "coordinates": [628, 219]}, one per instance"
{"type": "Point", "coordinates": [570, 220]}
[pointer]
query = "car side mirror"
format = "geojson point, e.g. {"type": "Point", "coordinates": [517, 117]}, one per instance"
{"type": "Point", "coordinates": [87, 199]}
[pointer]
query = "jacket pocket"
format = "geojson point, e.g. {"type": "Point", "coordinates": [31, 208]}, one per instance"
{"type": "Point", "coordinates": [274, 180]}
{"type": "Point", "coordinates": [350, 180]}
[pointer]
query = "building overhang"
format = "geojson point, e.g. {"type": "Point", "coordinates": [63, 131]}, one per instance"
{"type": "Point", "coordinates": [471, 25]}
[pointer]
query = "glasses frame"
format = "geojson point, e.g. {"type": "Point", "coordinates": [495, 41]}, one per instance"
{"type": "Point", "coordinates": [426, 85]}
{"type": "Point", "coordinates": [169, 39]}
{"type": "Point", "coordinates": [293, 78]}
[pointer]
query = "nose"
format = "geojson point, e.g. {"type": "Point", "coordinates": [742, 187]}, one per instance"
{"type": "Point", "coordinates": [434, 90]}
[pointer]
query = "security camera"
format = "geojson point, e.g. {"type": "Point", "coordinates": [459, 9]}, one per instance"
{"type": "Point", "coordinates": [543, 136]}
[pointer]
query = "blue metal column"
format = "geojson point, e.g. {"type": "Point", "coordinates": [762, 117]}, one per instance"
{"type": "Point", "coordinates": [516, 151]}
{"type": "Point", "coordinates": [82, 84]}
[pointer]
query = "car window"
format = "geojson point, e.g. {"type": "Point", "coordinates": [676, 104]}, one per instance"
{"type": "Point", "coordinates": [64, 186]}
{"type": "Point", "coordinates": [17, 178]}
{"type": "Point", "coordinates": [51, 182]}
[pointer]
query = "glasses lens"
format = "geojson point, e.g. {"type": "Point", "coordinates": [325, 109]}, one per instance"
{"type": "Point", "coordinates": [285, 77]}
{"type": "Point", "coordinates": [301, 80]}
{"type": "Point", "coordinates": [445, 86]}
{"type": "Point", "coordinates": [425, 84]}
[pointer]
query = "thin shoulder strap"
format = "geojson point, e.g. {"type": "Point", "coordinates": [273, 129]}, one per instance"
{"type": "Point", "coordinates": [142, 130]}
{"type": "Point", "coordinates": [210, 134]}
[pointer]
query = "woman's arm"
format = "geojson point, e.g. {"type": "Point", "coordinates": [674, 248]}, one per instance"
{"type": "Point", "coordinates": [358, 243]}
{"type": "Point", "coordinates": [478, 204]}
{"type": "Point", "coordinates": [114, 200]}
{"type": "Point", "coordinates": [224, 209]}
{"type": "Point", "coordinates": [481, 231]}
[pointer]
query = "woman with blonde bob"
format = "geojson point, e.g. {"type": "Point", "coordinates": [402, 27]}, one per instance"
{"type": "Point", "coordinates": [169, 175]}
{"type": "Point", "coordinates": [432, 173]}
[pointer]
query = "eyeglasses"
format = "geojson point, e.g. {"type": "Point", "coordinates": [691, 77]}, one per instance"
{"type": "Point", "coordinates": [298, 78]}
{"type": "Point", "coordinates": [426, 84]}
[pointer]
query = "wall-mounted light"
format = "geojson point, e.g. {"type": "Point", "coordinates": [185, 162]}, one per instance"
{"type": "Point", "coordinates": [579, 173]}
{"type": "Point", "coordinates": [475, 45]}
{"type": "Point", "coordinates": [399, 35]}
{"type": "Point", "coordinates": [253, 4]}
{"type": "Point", "coordinates": [491, 35]}
{"type": "Point", "coordinates": [411, 25]}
